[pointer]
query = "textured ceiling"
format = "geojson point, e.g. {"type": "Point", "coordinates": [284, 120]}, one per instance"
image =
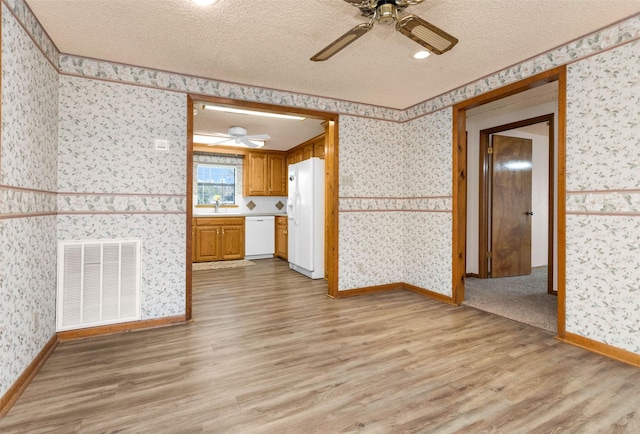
{"type": "Point", "coordinates": [268, 43]}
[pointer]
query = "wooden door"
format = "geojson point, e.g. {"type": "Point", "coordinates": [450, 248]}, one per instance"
{"type": "Point", "coordinates": [232, 242]}
{"type": "Point", "coordinates": [207, 243]}
{"type": "Point", "coordinates": [511, 207]}
{"type": "Point", "coordinates": [277, 175]}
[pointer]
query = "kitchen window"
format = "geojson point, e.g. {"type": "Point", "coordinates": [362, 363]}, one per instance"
{"type": "Point", "coordinates": [216, 180]}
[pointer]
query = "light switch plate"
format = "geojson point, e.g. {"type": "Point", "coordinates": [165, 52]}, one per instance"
{"type": "Point", "coordinates": [162, 145]}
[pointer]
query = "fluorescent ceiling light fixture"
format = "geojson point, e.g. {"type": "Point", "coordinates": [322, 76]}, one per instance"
{"type": "Point", "coordinates": [252, 112]}
{"type": "Point", "coordinates": [422, 54]}
{"type": "Point", "coordinates": [223, 140]}
{"type": "Point", "coordinates": [204, 2]}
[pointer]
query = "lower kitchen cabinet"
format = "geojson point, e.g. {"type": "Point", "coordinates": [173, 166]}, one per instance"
{"type": "Point", "coordinates": [281, 237]}
{"type": "Point", "coordinates": [218, 239]}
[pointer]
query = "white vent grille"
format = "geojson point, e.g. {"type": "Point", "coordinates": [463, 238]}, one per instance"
{"type": "Point", "coordinates": [98, 283]}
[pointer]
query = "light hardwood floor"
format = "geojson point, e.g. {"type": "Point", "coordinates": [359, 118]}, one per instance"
{"type": "Point", "coordinates": [270, 352]}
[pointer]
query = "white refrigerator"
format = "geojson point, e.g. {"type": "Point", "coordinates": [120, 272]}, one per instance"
{"type": "Point", "coordinates": [305, 213]}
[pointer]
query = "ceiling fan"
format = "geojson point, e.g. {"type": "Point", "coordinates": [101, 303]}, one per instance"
{"type": "Point", "coordinates": [424, 33]}
{"type": "Point", "coordinates": [237, 136]}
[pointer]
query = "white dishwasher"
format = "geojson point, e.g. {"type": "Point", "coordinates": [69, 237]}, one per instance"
{"type": "Point", "coordinates": [259, 237]}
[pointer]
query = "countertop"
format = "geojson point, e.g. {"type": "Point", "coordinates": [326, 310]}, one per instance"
{"type": "Point", "coordinates": [250, 214]}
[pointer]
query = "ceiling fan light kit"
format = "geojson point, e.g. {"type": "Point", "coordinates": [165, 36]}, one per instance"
{"type": "Point", "coordinates": [413, 27]}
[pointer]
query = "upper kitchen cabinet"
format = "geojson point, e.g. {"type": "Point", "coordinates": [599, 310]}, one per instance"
{"type": "Point", "coordinates": [277, 174]}
{"type": "Point", "coordinates": [311, 148]}
{"type": "Point", "coordinates": [265, 174]}
{"type": "Point", "coordinates": [318, 147]}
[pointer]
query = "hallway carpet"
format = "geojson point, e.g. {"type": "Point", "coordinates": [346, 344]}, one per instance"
{"type": "Point", "coordinates": [523, 299]}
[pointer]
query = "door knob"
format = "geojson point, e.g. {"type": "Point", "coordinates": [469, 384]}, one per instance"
{"type": "Point", "coordinates": [529, 213]}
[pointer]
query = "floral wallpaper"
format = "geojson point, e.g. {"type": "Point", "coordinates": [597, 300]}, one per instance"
{"type": "Point", "coordinates": [28, 292]}
{"type": "Point", "coordinates": [18, 201]}
{"type": "Point", "coordinates": [603, 279]}
{"type": "Point", "coordinates": [603, 200]}
{"type": "Point", "coordinates": [25, 16]}
{"type": "Point", "coordinates": [114, 184]}
{"type": "Point", "coordinates": [99, 203]}
{"type": "Point", "coordinates": [163, 253]}
{"type": "Point", "coordinates": [370, 250]}
{"type": "Point", "coordinates": [369, 154]}
{"type": "Point", "coordinates": [426, 238]}
{"type": "Point", "coordinates": [29, 111]}
{"type": "Point", "coordinates": [28, 178]}
{"type": "Point", "coordinates": [603, 114]}
{"type": "Point", "coordinates": [107, 133]}
{"type": "Point", "coordinates": [426, 181]}
{"type": "Point", "coordinates": [401, 194]}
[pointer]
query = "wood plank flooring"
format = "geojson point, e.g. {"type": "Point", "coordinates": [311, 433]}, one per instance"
{"type": "Point", "coordinates": [269, 352]}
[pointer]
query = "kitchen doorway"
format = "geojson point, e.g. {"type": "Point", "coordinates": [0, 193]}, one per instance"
{"type": "Point", "coordinates": [463, 245]}
{"type": "Point", "coordinates": [330, 122]}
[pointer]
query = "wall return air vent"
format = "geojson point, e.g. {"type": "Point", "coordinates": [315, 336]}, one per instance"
{"type": "Point", "coordinates": [98, 283]}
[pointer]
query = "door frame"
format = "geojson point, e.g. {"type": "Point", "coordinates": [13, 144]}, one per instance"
{"type": "Point", "coordinates": [484, 196]}
{"type": "Point", "coordinates": [459, 173]}
{"type": "Point", "coordinates": [331, 186]}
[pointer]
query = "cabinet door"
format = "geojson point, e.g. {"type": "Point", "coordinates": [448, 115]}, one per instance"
{"type": "Point", "coordinates": [232, 239]}
{"type": "Point", "coordinates": [256, 177]}
{"type": "Point", "coordinates": [207, 243]}
{"type": "Point", "coordinates": [318, 148]}
{"type": "Point", "coordinates": [281, 237]}
{"type": "Point", "coordinates": [277, 175]}
{"type": "Point", "coordinates": [307, 151]}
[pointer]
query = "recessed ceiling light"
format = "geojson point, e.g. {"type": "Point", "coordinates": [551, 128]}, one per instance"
{"type": "Point", "coordinates": [204, 2]}
{"type": "Point", "coordinates": [422, 54]}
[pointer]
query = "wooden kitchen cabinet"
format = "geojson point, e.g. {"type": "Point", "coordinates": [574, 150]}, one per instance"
{"type": "Point", "coordinates": [307, 151]}
{"type": "Point", "coordinates": [318, 147]}
{"type": "Point", "coordinates": [277, 174]}
{"type": "Point", "coordinates": [218, 239]}
{"type": "Point", "coordinates": [265, 174]}
{"type": "Point", "coordinates": [311, 148]}
{"type": "Point", "coordinates": [282, 238]}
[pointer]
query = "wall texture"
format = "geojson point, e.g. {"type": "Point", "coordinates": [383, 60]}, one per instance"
{"type": "Point", "coordinates": [114, 184]}
{"type": "Point", "coordinates": [27, 201]}
{"type": "Point", "coordinates": [603, 204]}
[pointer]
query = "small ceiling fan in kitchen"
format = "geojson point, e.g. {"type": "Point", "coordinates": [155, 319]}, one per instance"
{"type": "Point", "coordinates": [238, 136]}
{"type": "Point", "coordinates": [424, 33]}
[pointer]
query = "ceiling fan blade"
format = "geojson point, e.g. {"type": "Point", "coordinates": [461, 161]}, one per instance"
{"type": "Point", "coordinates": [426, 34]}
{"type": "Point", "coordinates": [249, 144]}
{"type": "Point", "coordinates": [222, 141]}
{"type": "Point", "coordinates": [258, 137]}
{"type": "Point", "coordinates": [341, 42]}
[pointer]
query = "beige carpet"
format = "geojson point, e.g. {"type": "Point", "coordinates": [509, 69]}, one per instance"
{"type": "Point", "coordinates": [221, 264]}
{"type": "Point", "coordinates": [523, 299]}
